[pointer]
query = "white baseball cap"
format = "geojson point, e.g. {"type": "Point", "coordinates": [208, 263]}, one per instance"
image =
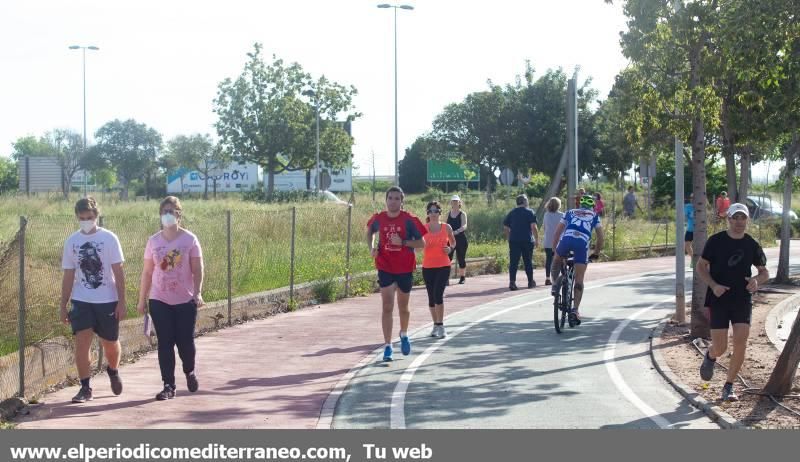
{"type": "Point", "coordinates": [455, 198]}
{"type": "Point", "coordinates": [738, 208]}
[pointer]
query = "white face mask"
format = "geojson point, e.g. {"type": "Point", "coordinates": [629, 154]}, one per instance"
{"type": "Point", "coordinates": [168, 220]}
{"type": "Point", "coordinates": [86, 225]}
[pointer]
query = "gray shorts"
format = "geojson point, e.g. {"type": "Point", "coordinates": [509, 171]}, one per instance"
{"type": "Point", "coordinates": [100, 317]}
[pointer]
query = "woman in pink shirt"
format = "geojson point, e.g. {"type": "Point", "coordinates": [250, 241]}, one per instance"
{"type": "Point", "coordinates": [172, 282]}
{"type": "Point", "coordinates": [439, 243]}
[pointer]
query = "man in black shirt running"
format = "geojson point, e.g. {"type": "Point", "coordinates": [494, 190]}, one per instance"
{"type": "Point", "coordinates": [726, 268]}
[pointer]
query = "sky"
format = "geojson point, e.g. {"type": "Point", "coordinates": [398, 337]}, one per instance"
{"type": "Point", "coordinates": [160, 62]}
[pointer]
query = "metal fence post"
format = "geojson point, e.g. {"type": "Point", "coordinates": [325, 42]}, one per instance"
{"type": "Point", "coordinates": [347, 255]}
{"type": "Point", "coordinates": [230, 268]}
{"type": "Point", "coordinates": [23, 224]}
{"type": "Point", "coordinates": [291, 257]}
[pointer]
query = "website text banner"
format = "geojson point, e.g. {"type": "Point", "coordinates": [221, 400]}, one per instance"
{"type": "Point", "coordinates": [386, 445]}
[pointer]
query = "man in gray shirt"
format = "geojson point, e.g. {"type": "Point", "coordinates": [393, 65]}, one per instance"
{"type": "Point", "coordinates": [629, 204]}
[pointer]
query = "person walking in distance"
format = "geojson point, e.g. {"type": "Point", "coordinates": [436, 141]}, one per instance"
{"type": "Point", "coordinates": [439, 243]}
{"type": "Point", "coordinates": [581, 192]}
{"type": "Point", "coordinates": [94, 285]}
{"type": "Point", "coordinates": [457, 219]}
{"type": "Point", "coordinates": [172, 285]}
{"type": "Point", "coordinates": [574, 235]}
{"type": "Point", "coordinates": [629, 203]}
{"type": "Point", "coordinates": [722, 204]}
{"type": "Point", "coordinates": [522, 233]}
{"type": "Point", "coordinates": [552, 217]}
{"type": "Point", "coordinates": [399, 233]}
{"type": "Point", "coordinates": [599, 205]}
{"type": "Point", "coordinates": [726, 267]}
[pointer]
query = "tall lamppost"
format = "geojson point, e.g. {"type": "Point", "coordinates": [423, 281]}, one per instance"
{"type": "Point", "coordinates": [395, 7]}
{"type": "Point", "coordinates": [313, 94]}
{"type": "Point", "coordinates": [84, 48]}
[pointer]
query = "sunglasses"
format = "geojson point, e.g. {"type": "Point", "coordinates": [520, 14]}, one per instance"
{"type": "Point", "coordinates": [430, 211]}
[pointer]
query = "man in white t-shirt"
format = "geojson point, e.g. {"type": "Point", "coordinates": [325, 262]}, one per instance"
{"type": "Point", "coordinates": [94, 285]}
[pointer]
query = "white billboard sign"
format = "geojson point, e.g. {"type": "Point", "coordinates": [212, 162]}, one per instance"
{"type": "Point", "coordinates": [235, 178]}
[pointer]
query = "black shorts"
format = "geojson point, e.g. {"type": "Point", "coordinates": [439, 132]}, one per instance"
{"type": "Point", "coordinates": [405, 281]}
{"type": "Point", "coordinates": [729, 310]}
{"type": "Point", "coordinates": [689, 236]}
{"type": "Point", "coordinates": [101, 317]}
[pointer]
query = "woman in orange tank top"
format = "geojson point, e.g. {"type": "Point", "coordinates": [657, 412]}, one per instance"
{"type": "Point", "coordinates": [439, 242]}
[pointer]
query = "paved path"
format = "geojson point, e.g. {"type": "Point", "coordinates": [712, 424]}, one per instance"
{"type": "Point", "coordinates": [278, 372]}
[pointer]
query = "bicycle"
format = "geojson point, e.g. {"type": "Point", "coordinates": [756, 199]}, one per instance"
{"type": "Point", "coordinates": [563, 298]}
{"type": "Point", "coordinates": [562, 303]}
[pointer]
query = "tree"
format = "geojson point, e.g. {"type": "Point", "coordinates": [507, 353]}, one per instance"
{"type": "Point", "coordinates": [31, 146]}
{"type": "Point", "coordinates": [413, 167]}
{"type": "Point", "coordinates": [672, 51]}
{"type": "Point", "coordinates": [198, 152]}
{"type": "Point", "coordinates": [9, 177]}
{"type": "Point", "coordinates": [130, 148]}
{"type": "Point", "coordinates": [477, 129]}
{"type": "Point", "coordinates": [67, 146]}
{"type": "Point", "coordinates": [265, 118]}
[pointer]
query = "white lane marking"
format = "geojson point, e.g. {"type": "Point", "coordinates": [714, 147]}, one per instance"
{"type": "Point", "coordinates": [616, 376]}
{"type": "Point", "coordinates": [397, 413]}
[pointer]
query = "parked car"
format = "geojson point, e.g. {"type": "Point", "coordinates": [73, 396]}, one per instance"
{"type": "Point", "coordinates": [764, 208]}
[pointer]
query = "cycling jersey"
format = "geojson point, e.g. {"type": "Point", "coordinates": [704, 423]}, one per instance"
{"type": "Point", "coordinates": [580, 223]}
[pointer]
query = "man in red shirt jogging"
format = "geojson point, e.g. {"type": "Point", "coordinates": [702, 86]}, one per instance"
{"type": "Point", "coordinates": [399, 232]}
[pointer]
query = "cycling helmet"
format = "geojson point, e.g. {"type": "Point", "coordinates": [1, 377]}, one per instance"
{"type": "Point", "coordinates": [587, 202]}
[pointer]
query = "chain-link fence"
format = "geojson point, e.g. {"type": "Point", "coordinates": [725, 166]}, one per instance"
{"type": "Point", "coordinates": [244, 252]}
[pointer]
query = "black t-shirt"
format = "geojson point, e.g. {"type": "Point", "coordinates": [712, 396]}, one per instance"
{"type": "Point", "coordinates": [731, 262]}
{"type": "Point", "coordinates": [519, 220]}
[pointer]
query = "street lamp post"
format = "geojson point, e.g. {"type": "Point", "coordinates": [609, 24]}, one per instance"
{"type": "Point", "coordinates": [313, 94]}
{"type": "Point", "coordinates": [83, 49]}
{"type": "Point", "coordinates": [395, 7]}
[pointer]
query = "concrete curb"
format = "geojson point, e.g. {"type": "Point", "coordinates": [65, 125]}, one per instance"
{"type": "Point", "coordinates": [774, 317]}
{"type": "Point", "coordinates": [714, 412]}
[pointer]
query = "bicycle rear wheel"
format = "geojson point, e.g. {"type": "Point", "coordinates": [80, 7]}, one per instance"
{"type": "Point", "coordinates": [558, 319]}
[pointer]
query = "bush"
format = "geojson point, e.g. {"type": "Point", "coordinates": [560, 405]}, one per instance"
{"type": "Point", "coordinates": [325, 291]}
{"type": "Point", "coordinates": [361, 287]}
{"type": "Point", "coordinates": [538, 185]}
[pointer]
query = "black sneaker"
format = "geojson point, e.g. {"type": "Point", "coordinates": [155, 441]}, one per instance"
{"type": "Point", "coordinates": [707, 368]}
{"type": "Point", "coordinates": [513, 286]}
{"type": "Point", "coordinates": [191, 382]}
{"type": "Point", "coordinates": [167, 393]}
{"type": "Point", "coordinates": [531, 284]}
{"type": "Point", "coordinates": [462, 279]}
{"type": "Point", "coordinates": [84, 394]}
{"type": "Point", "coordinates": [116, 383]}
{"type": "Point", "coordinates": [728, 394]}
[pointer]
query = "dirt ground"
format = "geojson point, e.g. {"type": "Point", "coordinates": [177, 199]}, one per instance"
{"type": "Point", "coordinates": [751, 410]}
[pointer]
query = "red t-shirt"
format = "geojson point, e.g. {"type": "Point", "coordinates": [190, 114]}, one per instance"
{"type": "Point", "coordinates": [396, 259]}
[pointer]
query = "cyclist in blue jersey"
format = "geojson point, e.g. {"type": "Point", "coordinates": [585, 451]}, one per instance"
{"type": "Point", "coordinates": [574, 234]}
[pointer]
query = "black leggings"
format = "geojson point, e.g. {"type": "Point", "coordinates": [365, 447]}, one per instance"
{"type": "Point", "coordinates": [460, 251]}
{"type": "Point", "coordinates": [435, 282]}
{"type": "Point", "coordinates": [548, 261]}
{"type": "Point", "coordinates": [174, 326]}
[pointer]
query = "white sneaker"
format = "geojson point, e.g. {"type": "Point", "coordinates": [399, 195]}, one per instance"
{"type": "Point", "coordinates": [442, 333]}
{"type": "Point", "coordinates": [435, 331]}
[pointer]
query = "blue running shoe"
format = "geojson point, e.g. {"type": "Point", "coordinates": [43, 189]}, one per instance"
{"type": "Point", "coordinates": [387, 353]}
{"type": "Point", "coordinates": [405, 345]}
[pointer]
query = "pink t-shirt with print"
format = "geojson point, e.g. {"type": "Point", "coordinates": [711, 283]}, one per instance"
{"type": "Point", "coordinates": [172, 275]}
